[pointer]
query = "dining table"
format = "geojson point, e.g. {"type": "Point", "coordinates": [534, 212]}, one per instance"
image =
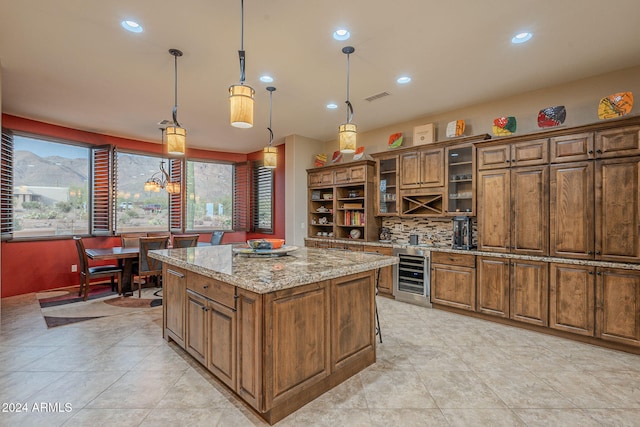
{"type": "Point", "coordinates": [128, 255]}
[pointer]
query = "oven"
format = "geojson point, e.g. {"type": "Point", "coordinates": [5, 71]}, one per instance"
{"type": "Point", "coordinates": [411, 276]}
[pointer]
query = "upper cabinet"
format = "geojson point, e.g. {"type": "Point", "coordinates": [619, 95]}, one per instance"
{"type": "Point", "coordinates": [387, 184]}
{"type": "Point", "coordinates": [461, 192]}
{"type": "Point", "coordinates": [618, 142]}
{"type": "Point", "coordinates": [525, 153]}
{"type": "Point", "coordinates": [422, 169]}
{"type": "Point", "coordinates": [351, 174]}
{"type": "Point", "coordinates": [320, 178]}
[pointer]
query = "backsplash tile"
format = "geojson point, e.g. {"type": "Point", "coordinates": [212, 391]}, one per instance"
{"type": "Point", "coordinates": [430, 231]}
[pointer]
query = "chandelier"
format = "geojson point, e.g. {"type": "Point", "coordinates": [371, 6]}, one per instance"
{"type": "Point", "coordinates": [161, 179]}
{"type": "Point", "coordinates": [270, 160]}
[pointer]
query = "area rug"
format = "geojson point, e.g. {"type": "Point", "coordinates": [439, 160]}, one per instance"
{"type": "Point", "coordinates": [63, 306]}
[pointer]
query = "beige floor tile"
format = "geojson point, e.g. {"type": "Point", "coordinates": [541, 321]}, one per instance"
{"type": "Point", "coordinates": [556, 417]}
{"type": "Point", "coordinates": [90, 417]}
{"type": "Point", "coordinates": [460, 390]}
{"type": "Point", "coordinates": [482, 417]}
{"type": "Point", "coordinates": [407, 418]}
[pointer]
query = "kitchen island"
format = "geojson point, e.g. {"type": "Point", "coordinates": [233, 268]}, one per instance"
{"type": "Point", "coordinates": [278, 331]}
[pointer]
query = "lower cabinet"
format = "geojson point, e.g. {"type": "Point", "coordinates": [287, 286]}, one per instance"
{"type": "Point", "coordinates": [206, 319]}
{"type": "Point", "coordinates": [514, 289]}
{"type": "Point", "coordinates": [173, 296]}
{"type": "Point", "coordinates": [618, 306]}
{"type": "Point", "coordinates": [453, 280]}
{"type": "Point", "coordinates": [572, 298]}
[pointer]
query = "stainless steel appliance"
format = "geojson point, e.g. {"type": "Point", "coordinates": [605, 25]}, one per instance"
{"type": "Point", "coordinates": [462, 233]}
{"type": "Point", "coordinates": [411, 276]}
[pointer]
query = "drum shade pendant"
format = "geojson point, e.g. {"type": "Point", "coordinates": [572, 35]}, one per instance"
{"type": "Point", "coordinates": [270, 160]}
{"type": "Point", "coordinates": [241, 97]}
{"type": "Point", "coordinates": [161, 179]}
{"type": "Point", "coordinates": [176, 135]}
{"type": "Point", "coordinates": [347, 131]}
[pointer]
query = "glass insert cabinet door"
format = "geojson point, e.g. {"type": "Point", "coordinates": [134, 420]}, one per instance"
{"type": "Point", "coordinates": [460, 180]}
{"type": "Point", "coordinates": [387, 191]}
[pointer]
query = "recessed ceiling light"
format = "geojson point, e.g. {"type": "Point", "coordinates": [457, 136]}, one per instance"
{"type": "Point", "coordinates": [521, 38]}
{"type": "Point", "coordinates": [341, 34]}
{"type": "Point", "coordinates": [332, 106]}
{"type": "Point", "coordinates": [266, 79]}
{"type": "Point", "coordinates": [132, 26]}
{"type": "Point", "coordinates": [403, 80]}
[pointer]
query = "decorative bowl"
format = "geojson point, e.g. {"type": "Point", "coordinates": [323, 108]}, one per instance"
{"type": "Point", "coordinates": [265, 243]}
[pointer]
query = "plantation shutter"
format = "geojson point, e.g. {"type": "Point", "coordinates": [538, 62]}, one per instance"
{"type": "Point", "coordinates": [241, 188]}
{"type": "Point", "coordinates": [176, 207]}
{"type": "Point", "coordinates": [262, 199]}
{"type": "Point", "coordinates": [6, 185]}
{"type": "Point", "coordinates": [103, 189]}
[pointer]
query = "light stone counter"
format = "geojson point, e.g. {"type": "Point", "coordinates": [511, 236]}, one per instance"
{"type": "Point", "coordinates": [267, 274]}
{"type": "Point", "coordinates": [447, 248]}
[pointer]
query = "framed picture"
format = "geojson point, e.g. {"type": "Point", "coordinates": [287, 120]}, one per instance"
{"type": "Point", "coordinates": [315, 195]}
{"type": "Point", "coordinates": [424, 134]}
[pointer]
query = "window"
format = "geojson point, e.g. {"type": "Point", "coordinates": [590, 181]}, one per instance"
{"type": "Point", "coordinates": [262, 200]}
{"type": "Point", "coordinates": [209, 196]}
{"type": "Point", "coordinates": [50, 190]}
{"type": "Point", "coordinates": [136, 209]}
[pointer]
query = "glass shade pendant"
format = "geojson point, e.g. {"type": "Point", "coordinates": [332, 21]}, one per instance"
{"type": "Point", "coordinates": [172, 187]}
{"type": "Point", "coordinates": [347, 136]}
{"type": "Point", "coordinates": [347, 131]}
{"type": "Point", "coordinates": [176, 135]}
{"type": "Point", "coordinates": [241, 96]}
{"type": "Point", "coordinates": [241, 106]}
{"type": "Point", "coordinates": [270, 153]}
{"type": "Point", "coordinates": [176, 140]}
{"type": "Point", "coordinates": [270, 160]}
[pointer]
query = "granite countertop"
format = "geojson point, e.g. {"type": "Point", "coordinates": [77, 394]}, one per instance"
{"type": "Point", "coordinates": [267, 274]}
{"type": "Point", "coordinates": [439, 247]}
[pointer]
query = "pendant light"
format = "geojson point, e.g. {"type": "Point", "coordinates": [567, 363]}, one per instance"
{"type": "Point", "coordinates": [347, 131]}
{"type": "Point", "coordinates": [270, 160]}
{"type": "Point", "coordinates": [240, 96]}
{"type": "Point", "coordinates": [161, 179]}
{"type": "Point", "coordinates": [176, 135]}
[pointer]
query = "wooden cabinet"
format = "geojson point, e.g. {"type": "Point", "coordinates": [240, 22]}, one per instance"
{"type": "Point", "coordinates": [618, 142]}
{"type": "Point", "coordinates": [529, 284]}
{"type": "Point", "coordinates": [249, 339]}
{"type": "Point", "coordinates": [350, 174]}
{"type": "Point", "coordinates": [572, 298]}
{"type": "Point", "coordinates": [572, 148]}
{"type": "Point", "coordinates": [618, 306]}
{"type": "Point", "coordinates": [461, 191]}
{"type": "Point", "coordinates": [173, 303]}
{"type": "Point", "coordinates": [387, 186]}
{"type": "Point", "coordinates": [493, 286]}
{"type": "Point", "coordinates": [208, 318]}
{"type": "Point", "coordinates": [422, 168]}
{"type": "Point", "coordinates": [385, 279]}
{"type": "Point", "coordinates": [320, 178]}
{"type": "Point", "coordinates": [514, 289]}
{"type": "Point", "coordinates": [595, 209]}
{"type": "Point", "coordinates": [453, 280]}
{"type": "Point", "coordinates": [345, 209]}
{"type": "Point", "coordinates": [513, 207]}
{"type": "Point", "coordinates": [524, 153]}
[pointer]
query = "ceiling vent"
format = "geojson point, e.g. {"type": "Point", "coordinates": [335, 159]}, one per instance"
{"type": "Point", "coordinates": [377, 96]}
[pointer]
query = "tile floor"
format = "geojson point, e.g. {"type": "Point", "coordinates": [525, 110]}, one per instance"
{"type": "Point", "coordinates": [434, 369]}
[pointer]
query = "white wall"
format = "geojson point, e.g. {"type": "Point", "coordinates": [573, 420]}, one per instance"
{"type": "Point", "coordinates": [299, 155]}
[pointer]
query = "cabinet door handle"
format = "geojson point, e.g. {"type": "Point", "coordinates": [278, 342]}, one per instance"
{"type": "Point", "coordinates": [508, 161]}
{"type": "Point", "coordinates": [205, 287]}
{"type": "Point", "coordinates": [591, 273]}
{"type": "Point", "coordinates": [175, 273]}
{"type": "Point", "coordinates": [598, 253]}
{"type": "Point", "coordinates": [590, 152]}
{"type": "Point", "coordinates": [589, 252]}
{"type": "Point", "coordinates": [599, 273]}
{"type": "Point", "coordinates": [599, 151]}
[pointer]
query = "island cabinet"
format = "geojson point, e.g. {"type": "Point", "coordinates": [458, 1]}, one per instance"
{"type": "Point", "coordinates": [513, 288]}
{"type": "Point", "coordinates": [453, 280]}
{"type": "Point", "coordinates": [174, 294]}
{"type": "Point", "coordinates": [277, 350]}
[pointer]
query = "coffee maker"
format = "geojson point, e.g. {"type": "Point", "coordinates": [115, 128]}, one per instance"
{"type": "Point", "coordinates": [462, 233]}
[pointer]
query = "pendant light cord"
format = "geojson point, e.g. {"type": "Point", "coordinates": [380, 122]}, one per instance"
{"type": "Point", "coordinates": [175, 91]}
{"type": "Point", "coordinates": [270, 89]}
{"type": "Point", "coordinates": [241, 54]}
{"type": "Point", "coordinates": [348, 50]}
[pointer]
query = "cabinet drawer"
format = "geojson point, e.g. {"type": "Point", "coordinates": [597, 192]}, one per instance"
{"type": "Point", "coordinates": [213, 289]}
{"type": "Point", "coordinates": [530, 153]}
{"type": "Point", "coordinates": [462, 260]}
{"type": "Point", "coordinates": [571, 148]}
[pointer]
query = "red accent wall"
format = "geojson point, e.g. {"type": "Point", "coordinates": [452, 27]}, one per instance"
{"type": "Point", "coordinates": [32, 266]}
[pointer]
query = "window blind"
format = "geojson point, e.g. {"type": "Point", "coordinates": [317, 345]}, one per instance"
{"type": "Point", "coordinates": [6, 185]}
{"type": "Point", "coordinates": [262, 199]}
{"type": "Point", "coordinates": [103, 189]}
{"type": "Point", "coordinates": [176, 207]}
{"type": "Point", "coordinates": [241, 188]}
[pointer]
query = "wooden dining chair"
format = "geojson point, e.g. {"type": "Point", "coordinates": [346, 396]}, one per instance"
{"type": "Point", "coordinates": [161, 234]}
{"type": "Point", "coordinates": [185, 240]}
{"type": "Point", "coordinates": [216, 237]}
{"type": "Point", "coordinates": [87, 273]}
{"type": "Point", "coordinates": [131, 240]}
{"type": "Point", "coordinates": [147, 266]}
